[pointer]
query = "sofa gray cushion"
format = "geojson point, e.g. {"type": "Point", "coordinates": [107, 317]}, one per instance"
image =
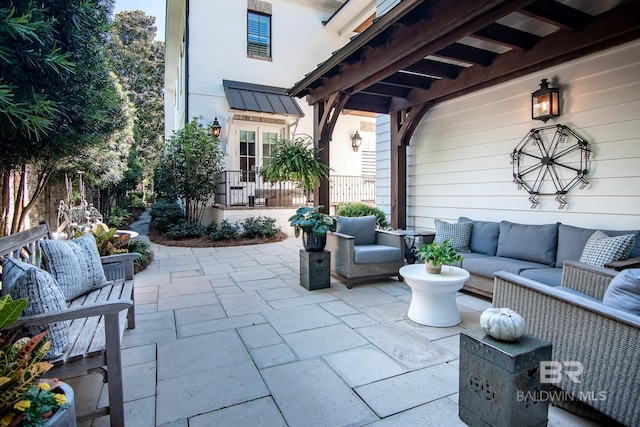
{"type": "Point", "coordinates": [528, 242]}
{"type": "Point", "coordinates": [362, 228]}
{"type": "Point", "coordinates": [624, 291]}
{"type": "Point", "coordinates": [371, 254]}
{"type": "Point", "coordinates": [484, 236]}
{"type": "Point", "coordinates": [571, 242]}
{"type": "Point", "coordinates": [602, 249]}
{"type": "Point", "coordinates": [487, 266]}
{"type": "Point", "coordinates": [43, 295]}
{"type": "Point", "coordinates": [458, 234]}
{"type": "Point", "coordinates": [549, 276]}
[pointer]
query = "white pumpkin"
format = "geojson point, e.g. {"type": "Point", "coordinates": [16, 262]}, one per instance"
{"type": "Point", "coordinates": [502, 324]}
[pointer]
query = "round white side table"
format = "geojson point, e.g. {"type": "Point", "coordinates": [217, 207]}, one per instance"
{"type": "Point", "coordinates": [433, 296]}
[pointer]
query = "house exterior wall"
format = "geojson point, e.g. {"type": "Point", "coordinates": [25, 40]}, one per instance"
{"type": "Point", "coordinates": [459, 157]}
{"type": "Point", "coordinates": [217, 50]}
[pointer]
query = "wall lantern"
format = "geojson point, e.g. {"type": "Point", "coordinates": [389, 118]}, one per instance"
{"type": "Point", "coordinates": [356, 140]}
{"type": "Point", "coordinates": [215, 128]}
{"type": "Point", "coordinates": [545, 102]}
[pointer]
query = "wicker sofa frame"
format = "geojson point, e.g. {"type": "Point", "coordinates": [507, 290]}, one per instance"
{"type": "Point", "coordinates": [604, 339]}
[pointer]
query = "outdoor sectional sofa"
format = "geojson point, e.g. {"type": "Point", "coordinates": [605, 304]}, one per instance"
{"type": "Point", "coordinates": [536, 252]}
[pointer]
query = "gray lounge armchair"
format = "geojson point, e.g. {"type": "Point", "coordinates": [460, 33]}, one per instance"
{"type": "Point", "coordinates": [360, 252]}
{"type": "Point", "coordinates": [581, 328]}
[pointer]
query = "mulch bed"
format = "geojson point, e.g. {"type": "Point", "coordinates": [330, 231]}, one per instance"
{"type": "Point", "coordinates": [206, 242]}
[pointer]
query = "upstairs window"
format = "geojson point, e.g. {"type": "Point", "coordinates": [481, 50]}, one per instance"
{"type": "Point", "coordinates": [258, 35]}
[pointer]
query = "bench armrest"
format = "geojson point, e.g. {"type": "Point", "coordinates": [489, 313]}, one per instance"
{"type": "Point", "coordinates": [119, 266]}
{"type": "Point", "coordinates": [88, 310]}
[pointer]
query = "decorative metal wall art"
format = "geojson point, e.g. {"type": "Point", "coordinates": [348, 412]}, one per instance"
{"type": "Point", "coordinates": [550, 160]}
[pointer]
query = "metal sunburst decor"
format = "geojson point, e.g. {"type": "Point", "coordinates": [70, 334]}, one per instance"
{"type": "Point", "coordinates": [550, 161]}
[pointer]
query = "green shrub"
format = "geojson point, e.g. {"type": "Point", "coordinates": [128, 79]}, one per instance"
{"type": "Point", "coordinates": [225, 230]}
{"type": "Point", "coordinates": [118, 217]}
{"type": "Point", "coordinates": [134, 200]}
{"type": "Point", "coordinates": [165, 214]}
{"type": "Point", "coordinates": [259, 227]}
{"type": "Point", "coordinates": [360, 209]}
{"type": "Point", "coordinates": [146, 254]}
{"type": "Point", "coordinates": [185, 230]}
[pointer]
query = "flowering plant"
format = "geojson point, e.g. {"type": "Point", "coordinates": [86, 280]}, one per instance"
{"type": "Point", "coordinates": [38, 405]}
{"type": "Point", "coordinates": [23, 400]}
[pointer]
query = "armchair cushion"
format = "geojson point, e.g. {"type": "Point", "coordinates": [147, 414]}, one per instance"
{"type": "Point", "coordinates": [362, 228]}
{"type": "Point", "coordinates": [624, 291]}
{"type": "Point", "coordinates": [601, 249]}
{"type": "Point", "coordinates": [369, 254]}
{"type": "Point", "coordinates": [43, 296]}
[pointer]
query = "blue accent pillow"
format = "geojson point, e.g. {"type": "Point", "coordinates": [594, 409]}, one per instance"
{"type": "Point", "coordinates": [624, 291]}
{"type": "Point", "coordinates": [601, 249]}
{"type": "Point", "coordinates": [528, 242]}
{"type": "Point", "coordinates": [362, 228]}
{"type": "Point", "coordinates": [43, 296]}
{"type": "Point", "coordinates": [458, 234]}
{"type": "Point", "coordinates": [75, 264]}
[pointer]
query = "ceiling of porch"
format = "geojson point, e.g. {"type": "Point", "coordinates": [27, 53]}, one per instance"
{"type": "Point", "coordinates": [427, 51]}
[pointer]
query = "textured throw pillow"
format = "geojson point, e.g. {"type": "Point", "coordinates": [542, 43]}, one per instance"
{"type": "Point", "coordinates": [12, 271]}
{"type": "Point", "coordinates": [601, 249]}
{"type": "Point", "coordinates": [458, 234]}
{"type": "Point", "coordinates": [624, 291]}
{"type": "Point", "coordinates": [43, 295]}
{"type": "Point", "coordinates": [74, 264]}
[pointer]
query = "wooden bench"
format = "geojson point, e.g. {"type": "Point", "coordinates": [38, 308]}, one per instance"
{"type": "Point", "coordinates": [97, 320]}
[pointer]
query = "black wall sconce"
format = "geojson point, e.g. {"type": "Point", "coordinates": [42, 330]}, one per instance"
{"type": "Point", "coordinates": [356, 140]}
{"type": "Point", "coordinates": [216, 128]}
{"type": "Point", "coordinates": [545, 102]}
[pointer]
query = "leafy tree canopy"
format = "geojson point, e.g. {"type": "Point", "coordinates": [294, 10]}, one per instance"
{"type": "Point", "coordinates": [138, 61]}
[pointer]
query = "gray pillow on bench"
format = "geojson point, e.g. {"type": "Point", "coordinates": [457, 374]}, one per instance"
{"type": "Point", "coordinates": [75, 264]}
{"type": "Point", "coordinates": [43, 295]}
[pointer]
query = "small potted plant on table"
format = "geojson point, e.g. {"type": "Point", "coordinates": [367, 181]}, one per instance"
{"type": "Point", "coordinates": [436, 255]}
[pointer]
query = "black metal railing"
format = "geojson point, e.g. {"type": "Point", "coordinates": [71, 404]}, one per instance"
{"type": "Point", "coordinates": [246, 188]}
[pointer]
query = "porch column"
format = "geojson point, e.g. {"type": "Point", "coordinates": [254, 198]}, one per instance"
{"type": "Point", "coordinates": [321, 141]}
{"type": "Point", "coordinates": [398, 173]}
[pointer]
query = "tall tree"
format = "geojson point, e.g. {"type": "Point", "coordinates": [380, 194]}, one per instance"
{"type": "Point", "coordinates": [138, 61]}
{"type": "Point", "coordinates": [53, 67]}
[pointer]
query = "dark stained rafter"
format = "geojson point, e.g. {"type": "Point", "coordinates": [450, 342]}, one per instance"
{"type": "Point", "coordinates": [423, 52]}
{"type": "Point", "coordinates": [415, 53]}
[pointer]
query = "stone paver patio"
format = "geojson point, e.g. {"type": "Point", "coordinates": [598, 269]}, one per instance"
{"type": "Point", "coordinates": [228, 337]}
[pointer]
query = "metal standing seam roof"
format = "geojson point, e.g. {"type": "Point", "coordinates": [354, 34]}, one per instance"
{"type": "Point", "coordinates": [260, 98]}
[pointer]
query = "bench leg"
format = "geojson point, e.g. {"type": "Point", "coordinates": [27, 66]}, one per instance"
{"type": "Point", "coordinates": [131, 313]}
{"type": "Point", "coordinates": [114, 370]}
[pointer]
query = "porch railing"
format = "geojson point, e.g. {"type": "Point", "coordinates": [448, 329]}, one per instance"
{"type": "Point", "coordinates": [246, 188]}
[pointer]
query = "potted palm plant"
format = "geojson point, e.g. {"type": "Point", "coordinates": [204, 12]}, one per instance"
{"type": "Point", "coordinates": [313, 225]}
{"type": "Point", "coordinates": [436, 255]}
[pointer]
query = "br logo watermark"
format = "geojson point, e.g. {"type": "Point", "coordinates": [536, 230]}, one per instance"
{"type": "Point", "coordinates": [553, 372]}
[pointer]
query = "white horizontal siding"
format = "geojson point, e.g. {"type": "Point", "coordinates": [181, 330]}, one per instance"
{"type": "Point", "coordinates": [459, 160]}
